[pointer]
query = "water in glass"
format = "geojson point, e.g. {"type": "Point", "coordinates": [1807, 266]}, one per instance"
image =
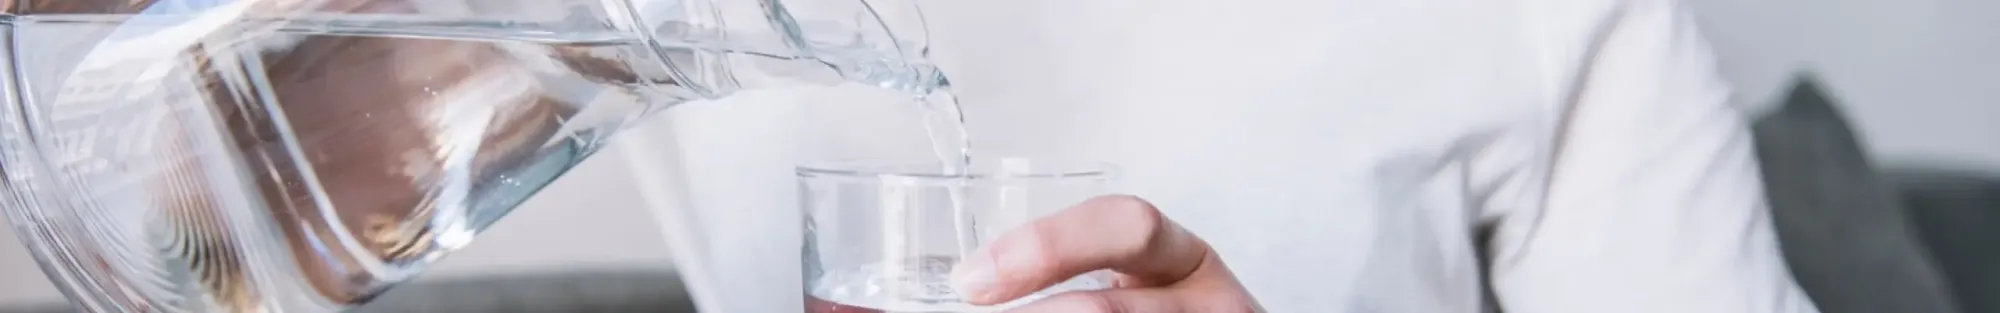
{"type": "Point", "coordinates": [884, 236]}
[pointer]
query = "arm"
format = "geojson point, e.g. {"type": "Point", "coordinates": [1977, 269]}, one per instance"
{"type": "Point", "coordinates": [1652, 200]}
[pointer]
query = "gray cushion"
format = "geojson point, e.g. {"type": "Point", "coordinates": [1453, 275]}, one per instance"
{"type": "Point", "coordinates": [1957, 212]}
{"type": "Point", "coordinates": [1843, 228]}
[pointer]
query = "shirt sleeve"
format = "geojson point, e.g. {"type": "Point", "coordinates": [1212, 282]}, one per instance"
{"type": "Point", "coordinates": [1651, 200]}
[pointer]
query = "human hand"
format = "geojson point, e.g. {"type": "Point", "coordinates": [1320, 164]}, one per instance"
{"type": "Point", "coordinates": [1161, 267]}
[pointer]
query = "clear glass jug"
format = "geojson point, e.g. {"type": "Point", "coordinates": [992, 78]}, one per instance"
{"type": "Point", "coordinates": [305, 155]}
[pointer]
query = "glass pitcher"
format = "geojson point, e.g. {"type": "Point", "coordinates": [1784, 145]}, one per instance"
{"type": "Point", "coordinates": [305, 155]}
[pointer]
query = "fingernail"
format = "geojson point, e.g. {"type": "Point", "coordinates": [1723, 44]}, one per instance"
{"type": "Point", "coordinates": [974, 275]}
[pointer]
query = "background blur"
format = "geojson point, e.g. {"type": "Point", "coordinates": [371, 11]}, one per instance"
{"type": "Point", "coordinates": [1919, 79]}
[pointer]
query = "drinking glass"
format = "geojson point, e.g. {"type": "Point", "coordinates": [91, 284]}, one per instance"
{"type": "Point", "coordinates": [883, 236]}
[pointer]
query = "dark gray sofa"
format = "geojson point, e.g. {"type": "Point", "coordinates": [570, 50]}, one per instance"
{"type": "Point", "coordinates": [1917, 238]}
{"type": "Point", "coordinates": [1957, 213]}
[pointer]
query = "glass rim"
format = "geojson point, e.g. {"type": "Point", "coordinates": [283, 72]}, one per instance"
{"type": "Point", "coordinates": [982, 169]}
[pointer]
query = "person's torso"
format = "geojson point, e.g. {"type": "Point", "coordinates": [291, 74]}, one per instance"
{"type": "Point", "coordinates": [1321, 146]}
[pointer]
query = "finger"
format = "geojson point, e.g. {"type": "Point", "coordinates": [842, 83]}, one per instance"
{"type": "Point", "coordinates": [1109, 301]}
{"type": "Point", "coordinates": [1209, 289]}
{"type": "Point", "coordinates": [1121, 233]}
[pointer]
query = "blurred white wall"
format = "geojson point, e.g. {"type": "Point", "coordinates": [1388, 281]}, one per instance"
{"type": "Point", "coordinates": [20, 280]}
{"type": "Point", "coordinates": [1920, 78]}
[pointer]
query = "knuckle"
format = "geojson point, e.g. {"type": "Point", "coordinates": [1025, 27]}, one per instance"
{"type": "Point", "coordinates": [1128, 204]}
{"type": "Point", "coordinates": [1133, 208]}
{"type": "Point", "coordinates": [1150, 226]}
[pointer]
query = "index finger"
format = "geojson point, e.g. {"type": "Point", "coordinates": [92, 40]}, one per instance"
{"type": "Point", "coordinates": [1121, 233]}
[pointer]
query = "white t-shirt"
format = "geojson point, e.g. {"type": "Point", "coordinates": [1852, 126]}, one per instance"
{"type": "Point", "coordinates": [1342, 156]}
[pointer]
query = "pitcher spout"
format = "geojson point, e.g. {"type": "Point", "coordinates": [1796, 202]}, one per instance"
{"type": "Point", "coordinates": [714, 48]}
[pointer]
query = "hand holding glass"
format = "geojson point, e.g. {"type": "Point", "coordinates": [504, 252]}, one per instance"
{"type": "Point", "coordinates": [883, 236]}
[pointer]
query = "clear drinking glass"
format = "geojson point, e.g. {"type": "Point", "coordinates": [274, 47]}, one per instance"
{"type": "Point", "coordinates": [883, 236]}
{"type": "Point", "coordinates": [305, 155]}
